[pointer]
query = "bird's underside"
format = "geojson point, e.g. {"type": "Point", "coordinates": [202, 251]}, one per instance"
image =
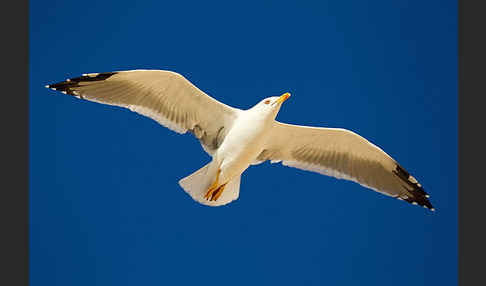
{"type": "Point", "coordinates": [175, 103]}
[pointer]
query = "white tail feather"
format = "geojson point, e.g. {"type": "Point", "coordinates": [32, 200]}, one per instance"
{"type": "Point", "coordinates": [197, 184]}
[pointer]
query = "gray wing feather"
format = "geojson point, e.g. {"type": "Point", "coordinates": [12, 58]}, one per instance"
{"type": "Point", "coordinates": [166, 97]}
{"type": "Point", "coordinates": [345, 155]}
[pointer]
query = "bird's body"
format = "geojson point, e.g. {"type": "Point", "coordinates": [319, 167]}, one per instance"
{"type": "Point", "coordinates": [238, 138]}
{"type": "Point", "coordinates": [243, 143]}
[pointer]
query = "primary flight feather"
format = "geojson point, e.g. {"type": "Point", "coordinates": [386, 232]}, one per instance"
{"type": "Point", "coordinates": [237, 138]}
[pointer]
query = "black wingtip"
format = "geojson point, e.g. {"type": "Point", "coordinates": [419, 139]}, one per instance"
{"type": "Point", "coordinates": [68, 85]}
{"type": "Point", "coordinates": [411, 186]}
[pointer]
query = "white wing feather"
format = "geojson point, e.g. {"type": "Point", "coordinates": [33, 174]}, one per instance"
{"type": "Point", "coordinates": [342, 154]}
{"type": "Point", "coordinates": [165, 96]}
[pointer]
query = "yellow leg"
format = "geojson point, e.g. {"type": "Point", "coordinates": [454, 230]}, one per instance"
{"type": "Point", "coordinates": [218, 193]}
{"type": "Point", "coordinates": [213, 187]}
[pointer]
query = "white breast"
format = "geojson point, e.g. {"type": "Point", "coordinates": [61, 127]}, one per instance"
{"type": "Point", "coordinates": [242, 144]}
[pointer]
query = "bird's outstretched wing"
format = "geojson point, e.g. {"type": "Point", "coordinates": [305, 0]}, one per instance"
{"type": "Point", "coordinates": [342, 154]}
{"type": "Point", "coordinates": [165, 96]}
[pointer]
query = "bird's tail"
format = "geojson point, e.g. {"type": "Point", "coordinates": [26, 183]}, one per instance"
{"type": "Point", "coordinates": [197, 184]}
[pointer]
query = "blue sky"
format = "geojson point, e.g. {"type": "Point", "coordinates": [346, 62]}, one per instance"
{"type": "Point", "coordinates": [105, 206]}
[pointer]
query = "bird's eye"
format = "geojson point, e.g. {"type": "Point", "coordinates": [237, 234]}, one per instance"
{"type": "Point", "coordinates": [267, 101]}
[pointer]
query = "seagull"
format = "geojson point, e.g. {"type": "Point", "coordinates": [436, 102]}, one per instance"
{"type": "Point", "coordinates": [236, 138]}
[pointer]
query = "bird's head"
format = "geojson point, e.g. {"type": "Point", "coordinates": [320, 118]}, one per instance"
{"type": "Point", "coordinates": [271, 105]}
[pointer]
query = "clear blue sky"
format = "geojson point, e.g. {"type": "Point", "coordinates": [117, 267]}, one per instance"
{"type": "Point", "coordinates": [106, 208]}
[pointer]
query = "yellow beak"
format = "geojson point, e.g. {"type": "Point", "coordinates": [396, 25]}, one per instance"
{"type": "Point", "coordinates": [282, 98]}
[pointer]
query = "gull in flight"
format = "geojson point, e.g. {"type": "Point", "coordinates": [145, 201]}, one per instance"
{"type": "Point", "coordinates": [238, 138]}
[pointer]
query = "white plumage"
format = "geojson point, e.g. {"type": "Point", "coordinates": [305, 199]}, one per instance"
{"type": "Point", "coordinates": [236, 138]}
